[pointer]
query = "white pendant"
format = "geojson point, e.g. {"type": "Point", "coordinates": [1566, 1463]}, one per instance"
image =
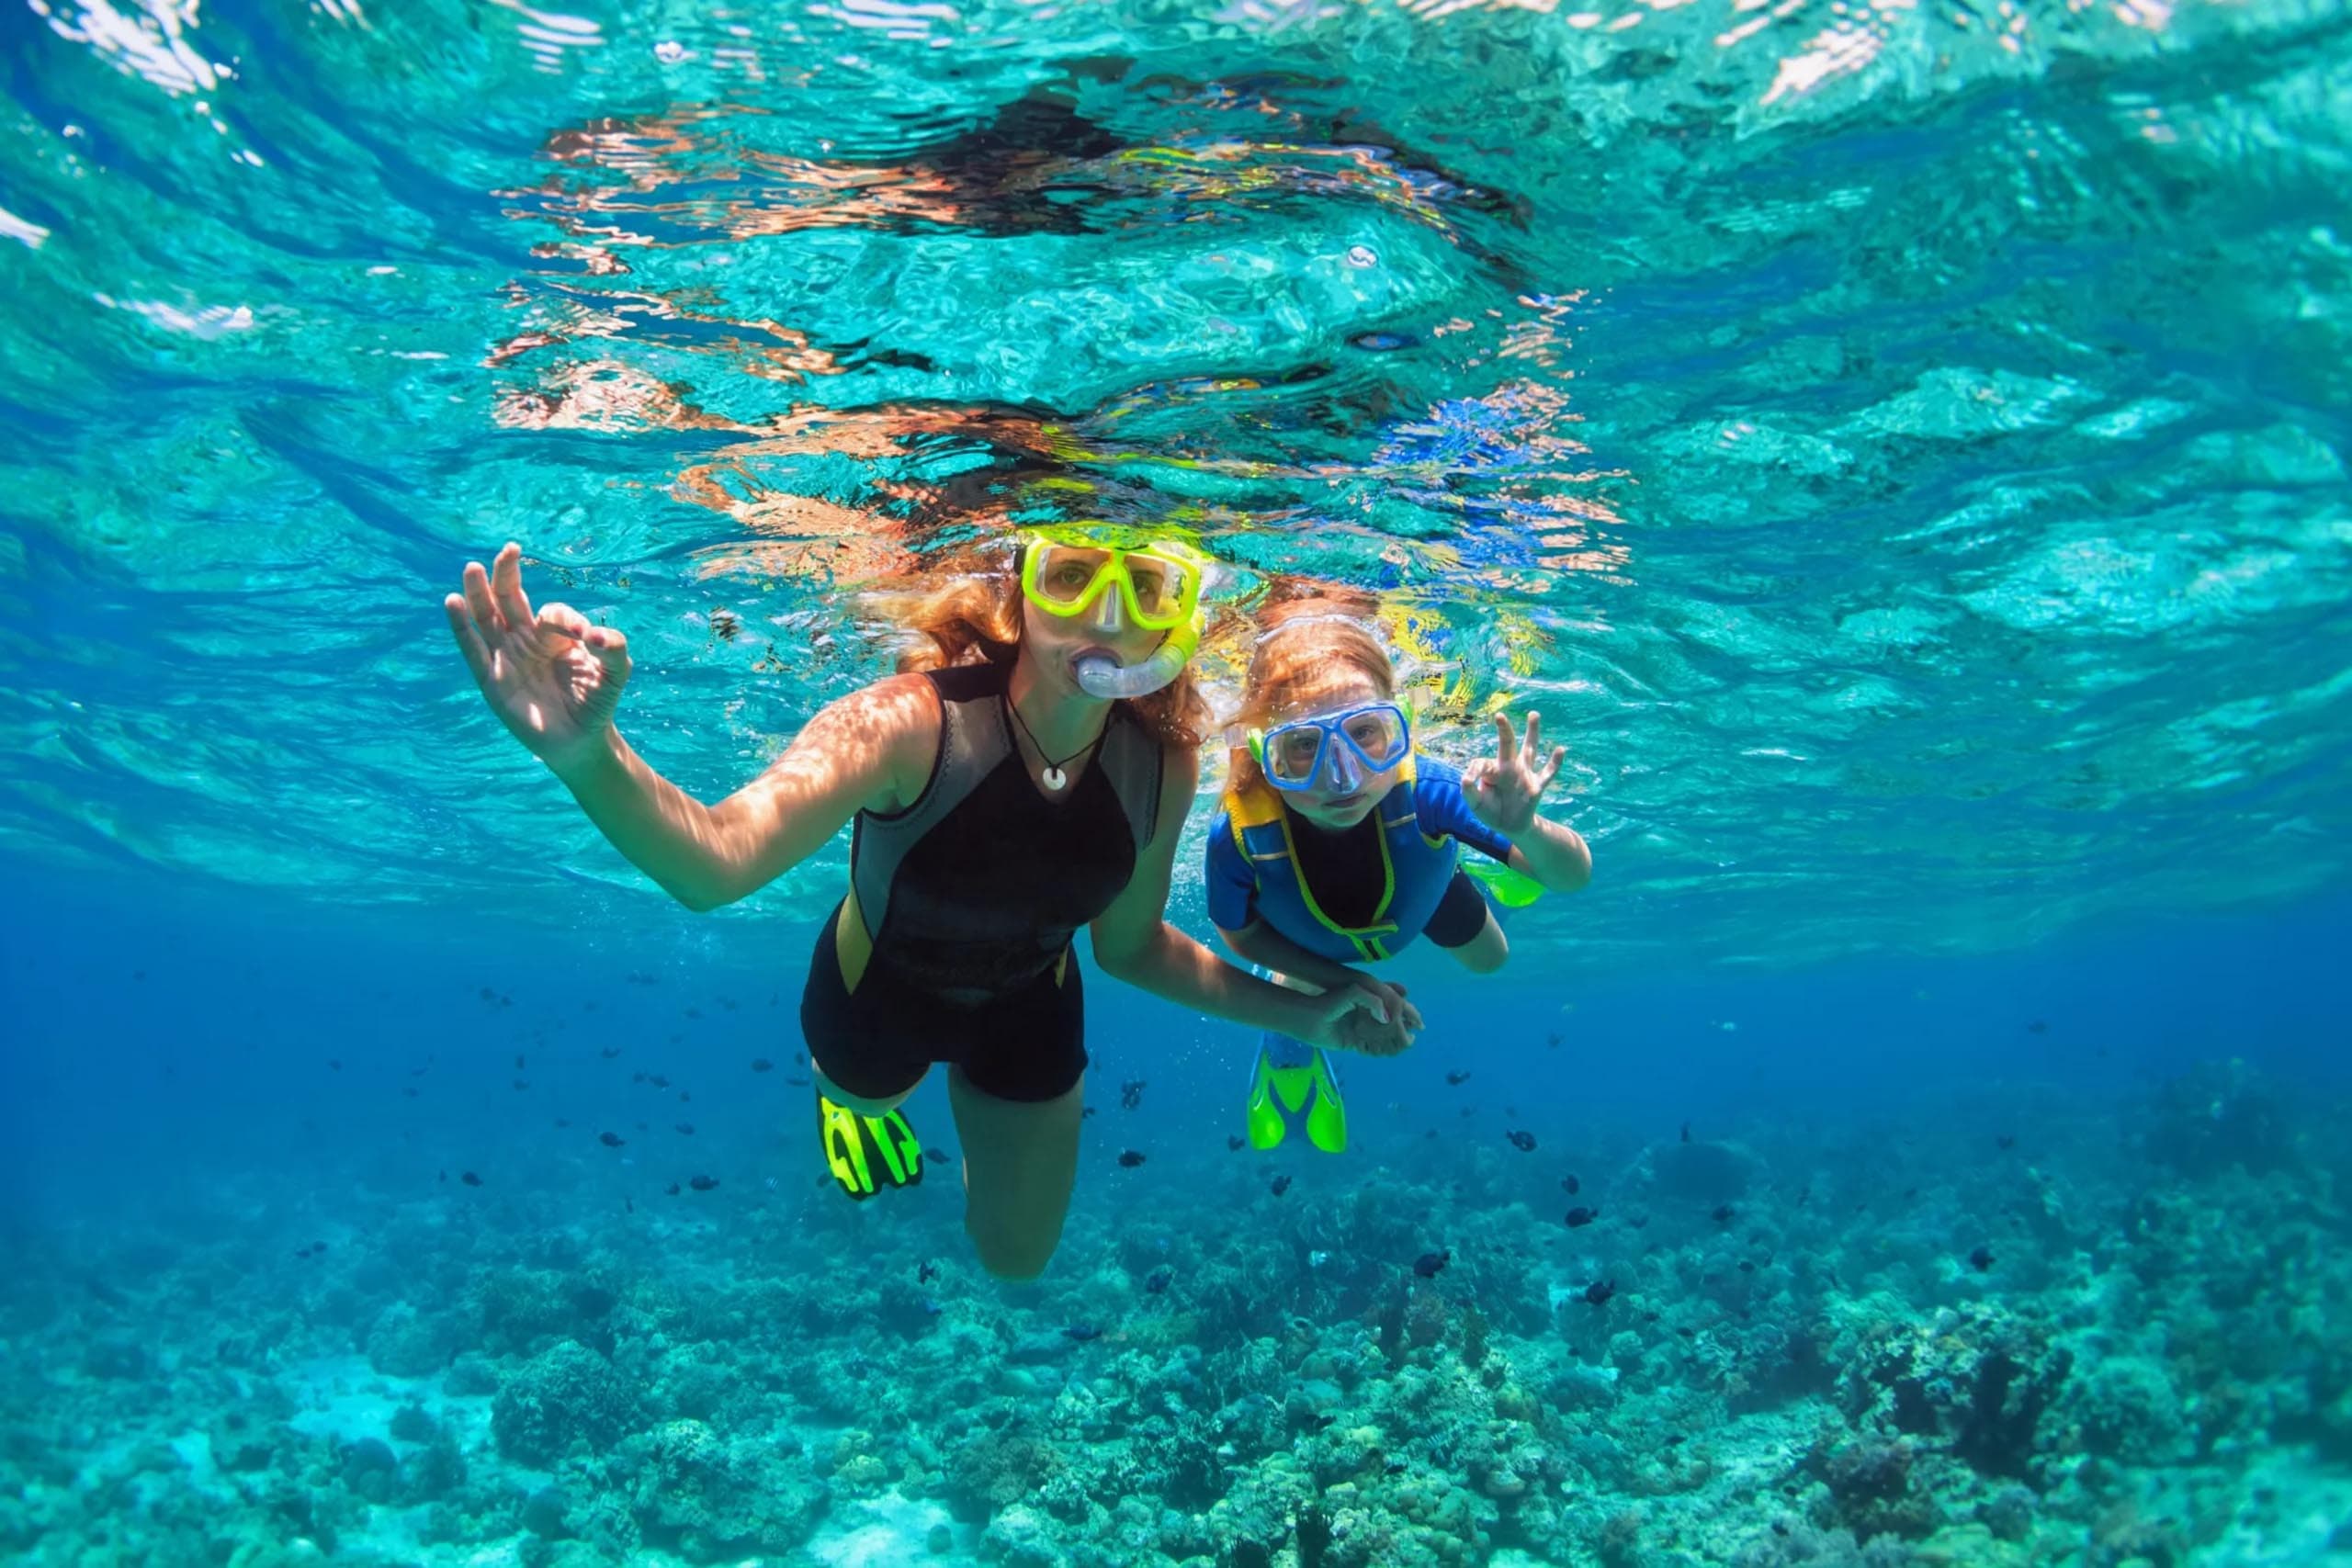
{"type": "Point", "coordinates": [1054, 778]}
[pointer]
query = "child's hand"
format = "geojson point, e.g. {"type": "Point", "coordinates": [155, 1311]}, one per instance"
{"type": "Point", "coordinates": [1502, 789]}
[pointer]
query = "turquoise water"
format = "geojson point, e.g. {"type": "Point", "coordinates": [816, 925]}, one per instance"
{"type": "Point", "coordinates": [1899, 448]}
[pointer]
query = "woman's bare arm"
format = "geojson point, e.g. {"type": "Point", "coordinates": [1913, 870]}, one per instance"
{"type": "Point", "coordinates": [871, 749]}
{"type": "Point", "coordinates": [1133, 942]}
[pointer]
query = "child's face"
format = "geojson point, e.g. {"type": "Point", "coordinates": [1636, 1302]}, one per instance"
{"type": "Point", "coordinates": [1344, 791]}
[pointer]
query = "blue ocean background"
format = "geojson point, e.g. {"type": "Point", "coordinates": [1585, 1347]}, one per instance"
{"type": "Point", "coordinates": [1899, 449]}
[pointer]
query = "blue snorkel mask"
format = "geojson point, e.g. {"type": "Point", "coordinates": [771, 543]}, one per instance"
{"type": "Point", "coordinates": [1293, 755]}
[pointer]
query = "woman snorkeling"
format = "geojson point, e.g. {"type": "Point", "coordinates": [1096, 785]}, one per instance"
{"type": "Point", "coordinates": [1027, 773]}
{"type": "Point", "coordinates": [1339, 841]}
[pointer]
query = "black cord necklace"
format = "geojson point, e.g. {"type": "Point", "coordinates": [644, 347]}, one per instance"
{"type": "Point", "coordinates": [1053, 777]}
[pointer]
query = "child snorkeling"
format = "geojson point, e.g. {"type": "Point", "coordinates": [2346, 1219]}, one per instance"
{"type": "Point", "coordinates": [1339, 841]}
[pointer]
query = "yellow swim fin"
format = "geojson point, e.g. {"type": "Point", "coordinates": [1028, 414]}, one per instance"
{"type": "Point", "coordinates": [1280, 1095]}
{"type": "Point", "coordinates": [868, 1153]}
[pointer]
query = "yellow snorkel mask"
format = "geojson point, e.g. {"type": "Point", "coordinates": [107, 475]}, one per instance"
{"type": "Point", "coordinates": [1070, 569]}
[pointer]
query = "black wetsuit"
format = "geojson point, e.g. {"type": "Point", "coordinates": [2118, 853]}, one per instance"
{"type": "Point", "coordinates": [971, 895]}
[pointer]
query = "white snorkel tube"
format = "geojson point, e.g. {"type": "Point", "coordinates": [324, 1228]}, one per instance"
{"type": "Point", "coordinates": [1100, 675]}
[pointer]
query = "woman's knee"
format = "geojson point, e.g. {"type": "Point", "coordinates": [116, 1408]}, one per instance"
{"type": "Point", "coordinates": [1011, 1254]}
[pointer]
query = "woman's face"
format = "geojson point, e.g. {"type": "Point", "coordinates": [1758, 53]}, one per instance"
{"type": "Point", "coordinates": [1344, 791]}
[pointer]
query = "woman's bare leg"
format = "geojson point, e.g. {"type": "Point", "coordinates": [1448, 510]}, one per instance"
{"type": "Point", "coordinates": [1020, 1163]}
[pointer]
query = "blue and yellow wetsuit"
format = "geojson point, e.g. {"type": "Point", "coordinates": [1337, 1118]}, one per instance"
{"type": "Point", "coordinates": [1354, 896]}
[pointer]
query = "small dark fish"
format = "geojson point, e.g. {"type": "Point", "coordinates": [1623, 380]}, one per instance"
{"type": "Point", "coordinates": [1639, 1222]}
{"type": "Point", "coordinates": [416, 1072]}
{"type": "Point", "coordinates": [797, 1081]}
{"type": "Point", "coordinates": [1570, 1184]}
{"type": "Point", "coordinates": [335, 1062]}
{"type": "Point", "coordinates": [687, 1128]}
{"type": "Point", "coordinates": [1082, 1332]}
{"type": "Point", "coordinates": [609, 1052]}
{"type": "Point", "coordinates": [1159, 1280]}
{"type": "Point", "coordinates": [761, 1065]}
{"type": "Point", "coordinates": [1130, 1158]}
{"type": "Point", "coordinates": [470, 1179]}
{"type": "Point", "coordinates": [1687, 1332]}
{"type": "Point", "coordinates": [1233, 1140]}
{"type": "Point", "coordinates": [445, 1176]}
{"type": "Point", "coordinates": [630, 1204]}
{"type": "Point", "coordinates": [673, 1186]}
{"type": "Point", "coordinates": [1521, 1139]}
{"type": "Point", "coordinates": [1723, 1214]}
{"type": "Point", "coordinates": [926, 1271]}
{"type": "Point", "coordinates": [658, 1081]}
{"type": "Point", "coordinates": [2008, 1139]}
{"type": "Point", "coordinates": [1428, 1263]}
{"type": "Point", "coordinates": [2037, 1027]}
{"type": "Point", "coordinates": [563, 1121]}
{"type": "Point", "coordinates": [702, 1183]}
{"type": "Point", "coordinates": [1457, 1078]}
{"type": "Point", "coordinates": [931, 1307]}
{"type": "Point", "coordinates": [641, 1127]}
{"type": "Point", "coordinates": [1581, 1216]}
{"type": "Point", "coordinates": [637, 1078]}
{"type": "Point", "coordinates": [1600, 1291]}
{"type": "Point", "coordinates": [521, 1084]}
{"type": "Point", "coordinates": [694, 1012]}
{"type": "Point", "coordinates": [1278, 1186]}
{"type": "Point", "coordinates": [518, 1061]}
{"type": "Point", "coordinates": [1910, 1192]}
{"type": "Point", "coordinates": [1131, 1094]}
{"type": "Point", "coordinates": [409, 1091]}
{"type": "Point", "coordinates": [486, 995]}
{"type": "Point", "coordinates": [1746, 1267]}
{"type": "Point", "coordinates": [1087, 1112]}
{"type": "Point", "coordinates": [1981, 1258]}
{"type": "Point", "coordinates": [934, 1153]}
{"type": "Point", "coordinates": [611, 1140]}
{"type": "Point", "coordinates": [1686, 1132]}
{"type": "Point", "coordinates": [683, 1096]}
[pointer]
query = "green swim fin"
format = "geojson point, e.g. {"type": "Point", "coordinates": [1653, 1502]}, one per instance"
{"type": "Point", "coordinates": [1281, 1095]}
{"type": "Point", "coordinates": [867, 1153]}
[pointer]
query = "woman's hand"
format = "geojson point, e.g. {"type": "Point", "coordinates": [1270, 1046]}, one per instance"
{"type": "Point", "coordinates": [1365, 1015]}
{"type": "Point", "coordinates": [552, 679]}
{"type": "Point", "coordinates": [1502, 790]}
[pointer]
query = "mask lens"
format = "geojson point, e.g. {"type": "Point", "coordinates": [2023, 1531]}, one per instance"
{"type": "Point", "coordinates": [1379, 733]}
{"type": "Point", "coordinates": [1290, 754]}
{"type": "Point", "coordinates": [1064, 573]}
{"type": "Point", "coordinates": [1158, 585]}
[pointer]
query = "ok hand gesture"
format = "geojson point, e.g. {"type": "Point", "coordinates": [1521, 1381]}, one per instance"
{"type": "Point", "coordinates": [1502, 790]}
{"type": "Point", "coordinates": [551, 678]}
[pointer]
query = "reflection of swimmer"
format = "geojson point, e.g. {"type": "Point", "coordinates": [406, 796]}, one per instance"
{"type": "Point", "coordinates": [1028, 773]}
{"type": "Point", "coordinates": [1339, 841]}
{"type": "Point", "coordinates": [1037, 165]}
